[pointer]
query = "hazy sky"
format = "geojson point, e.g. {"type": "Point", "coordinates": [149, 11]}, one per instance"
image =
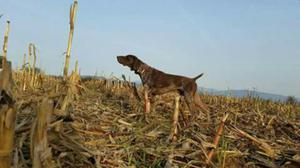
{"type": "Point", "coordinates": [238, 44]}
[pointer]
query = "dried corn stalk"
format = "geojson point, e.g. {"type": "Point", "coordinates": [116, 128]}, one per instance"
{"type": "Point", "coordinates": [39, 148]}
{"type": "Point", "coordinates": [24, 73]}
{"type": "Point", "coordinates": [33, 75]}
{"type": "Point", "coordinates": [73, 10]}
{"type": "Point", "coordinates": [29, 61]}
{"type": "Point", "coordinates": [7, 111]}
{"type": "Point", "coordinates": [174, 132]}
{"type": "Point", "coordinates": [147, 102]}
{"type": "Point", "coordinates": [268, 150]}
{"type": "Point", "coordinates": [6, 40]}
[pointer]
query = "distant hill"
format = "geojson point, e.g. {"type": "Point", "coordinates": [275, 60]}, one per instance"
{"type": "Point", "coordinates": [233, 93]}
{"type": "Point", "coordinates": [244, 93]}
{"type": "Point", "coordinates": [88, 77]}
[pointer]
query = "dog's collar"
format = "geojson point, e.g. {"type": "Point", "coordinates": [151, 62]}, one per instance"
{"type": "Point", "coordinates": [142, 71]}
{"type": "Point", "coordinates": [142, 68]}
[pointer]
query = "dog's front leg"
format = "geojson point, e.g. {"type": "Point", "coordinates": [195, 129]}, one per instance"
{"type": "Point", "coordinates": [190, 103]}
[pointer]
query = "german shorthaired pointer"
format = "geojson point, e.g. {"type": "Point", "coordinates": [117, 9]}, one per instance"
{"type": "Point", "coordinates": [157, 82]}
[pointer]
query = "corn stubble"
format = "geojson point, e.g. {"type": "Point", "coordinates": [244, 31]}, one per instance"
{"type": "Point", "coordinates": [108, 130]}
{"type": "Point", "coordinates": [49, 121]}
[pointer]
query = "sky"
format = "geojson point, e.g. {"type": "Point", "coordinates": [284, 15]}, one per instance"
{"type": "Point", "coordinates": [237, 44]}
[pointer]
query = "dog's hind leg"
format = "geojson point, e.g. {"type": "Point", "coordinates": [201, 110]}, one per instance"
{"type": "Point", "coordinates": [190, 103]}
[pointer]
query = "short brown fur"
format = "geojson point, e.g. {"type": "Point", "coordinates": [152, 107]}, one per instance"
{"type": "Point", "coordinates": [160, 83]}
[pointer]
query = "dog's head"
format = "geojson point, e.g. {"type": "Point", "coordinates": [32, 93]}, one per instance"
{"type": "Point", "coordinates": [129, 60]}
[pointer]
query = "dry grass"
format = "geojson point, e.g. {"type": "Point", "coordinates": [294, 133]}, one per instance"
{"type": "Point", "coordinates": [108, 130]}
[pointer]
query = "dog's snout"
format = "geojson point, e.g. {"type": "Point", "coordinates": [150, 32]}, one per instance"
{"type": "Point", "coordinates": [119, 58]}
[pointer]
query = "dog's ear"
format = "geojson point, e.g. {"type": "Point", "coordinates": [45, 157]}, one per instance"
{"type": "Point", "coordinates": [135, 62]}
{"type": "Point", "coordinates": [131, 57]}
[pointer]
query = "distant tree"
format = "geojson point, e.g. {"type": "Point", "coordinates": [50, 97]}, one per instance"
{"type": "Point", "coordinates": [291, 100]}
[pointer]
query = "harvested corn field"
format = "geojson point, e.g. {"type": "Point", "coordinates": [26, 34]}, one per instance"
{"type": "Point", "coordinates": [105, 128]}
{"type": "Point", "coordinates": [68, 121]}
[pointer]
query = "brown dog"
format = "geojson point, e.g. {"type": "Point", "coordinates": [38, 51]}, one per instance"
{"type": "Point", "coordinates": [157, 82]}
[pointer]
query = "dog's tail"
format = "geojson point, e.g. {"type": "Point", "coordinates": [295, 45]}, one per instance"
{"type": "Point", "coordinates": [197, 77]}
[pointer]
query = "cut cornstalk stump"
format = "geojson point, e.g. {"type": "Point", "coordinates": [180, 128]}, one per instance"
{"type": "Point", "coordinates": [7, 118]}
{"type": "Point", "coordinates": [72, 88]}
{"type": "Point", "coordinates": [174, 132]}
{"type": "Point", "coordinates": [7, 110]}
{"type": "Point", "coordinates": [39, 147]}
{"type": "Point", "coordinates": [217, 138]}
{"type": "Point", "coordinates": [147, 102]}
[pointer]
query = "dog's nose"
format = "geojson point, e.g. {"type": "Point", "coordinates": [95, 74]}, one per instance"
{"type": "Point", "coordinates": [119, 58]}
